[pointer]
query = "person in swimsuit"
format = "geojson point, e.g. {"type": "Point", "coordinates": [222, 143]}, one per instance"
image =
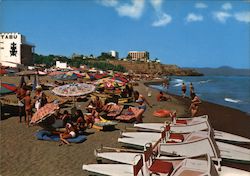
{"type": "Point", "coordinates": [183, 89]}
{"type": "Point", "coordinates": [28, 107]}
{"type": "Point", "coordinates": [194, 105]}
{"type": "Point", "coordinates": [191, 87]}
{"type": "Point", "coordinates": [70, 133]}
{"type": "Point", "coordinates": [142, 101]}
{"type": "Point", "coordinates": [21, 93]}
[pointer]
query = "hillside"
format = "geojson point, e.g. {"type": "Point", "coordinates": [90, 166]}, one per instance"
{"type": "Point", "coordinates": [155, 68]}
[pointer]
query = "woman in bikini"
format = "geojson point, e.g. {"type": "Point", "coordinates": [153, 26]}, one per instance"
{"type": "Point", "coordinates": [70, 133]}
{"type": "Point", "coordinates": [194, 105]}
{"type": "Point", "coordinates": [142, 101]}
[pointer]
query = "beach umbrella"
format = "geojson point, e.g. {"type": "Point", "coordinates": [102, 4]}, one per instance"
{"type": "Point", "coordinates": [65, 76]}
{"type": "Point", "coordinates": [26, 73]}
{"type": "Point", "coordinates": [7, 88]}
{"type": "Point", "coordinates": [44, 112]}
{"type": "Point", "coordinates": [6, 71]}
{"type": "Point", "coordinates": [73, 90]}
{"type": "Point", "coordinates": [56, 73]}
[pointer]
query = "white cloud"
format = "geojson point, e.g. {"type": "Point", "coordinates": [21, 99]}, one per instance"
{"type": "Point", "coordinates": [242, 16]}
{"type": "Point", "coordinates": [221, 16]}
{"type": "Point", "coordinates": [156, 4]}
{"type": "Point", "coordinates": [163, 20]}
{"type": "Point", "coordinates": [227, 6]}
{"type": "Point", "coordinates": [133, 10]}
{"type": "Point", "coordinates": [109, 3]}
{"type": "Point", "coordinates": [200, 5]}
{"type": "Point", "coordinates": [192, 17]}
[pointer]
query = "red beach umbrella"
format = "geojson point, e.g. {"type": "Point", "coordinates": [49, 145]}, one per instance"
{"type": "Point", "coordinates": [44, 112]}
{"type": "Point", "coordinates": [7, 88]}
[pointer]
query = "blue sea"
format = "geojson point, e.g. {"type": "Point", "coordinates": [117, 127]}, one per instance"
{"type": "Point", "coordinates": [231, 91]}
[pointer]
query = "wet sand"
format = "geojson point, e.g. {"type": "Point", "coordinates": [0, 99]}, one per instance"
{"type": "Point", "coordinates": [22, 154]}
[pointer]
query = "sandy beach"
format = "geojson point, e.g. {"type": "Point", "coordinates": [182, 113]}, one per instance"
{"type": "Point", "coordinates": [22, 154]}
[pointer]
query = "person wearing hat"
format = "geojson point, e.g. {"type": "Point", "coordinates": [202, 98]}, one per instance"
{"type": "Point", "coordinates": [28, 107]}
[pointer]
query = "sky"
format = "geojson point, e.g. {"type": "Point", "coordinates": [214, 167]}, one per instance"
{"type": "Point", "coordinates": [186, 33]}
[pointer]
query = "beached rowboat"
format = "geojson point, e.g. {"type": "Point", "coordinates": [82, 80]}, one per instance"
{"type": "Point", "coordinates": [201, 141]}
{"type": "Point", "coordinates": [196, 124]}
{"type": "Point", "coordinates": [126, 157]}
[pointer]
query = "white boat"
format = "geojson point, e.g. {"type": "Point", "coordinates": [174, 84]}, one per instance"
{"type": "Point", "coordinates": [201, 141]}
{"type": "Point", "coordinates": [127, 158]}
{"type": "Point", "coordinates": [198, 125]}
{"type": "Point", "coordinates": [201, 165]}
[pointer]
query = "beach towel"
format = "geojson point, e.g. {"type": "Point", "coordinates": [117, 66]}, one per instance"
{"type": "Point", "coordinates": [48, 136]}
{"type": "Point", "coordinates": [114, 110]}
{"type": "Point", "coordinates": [130, 115]}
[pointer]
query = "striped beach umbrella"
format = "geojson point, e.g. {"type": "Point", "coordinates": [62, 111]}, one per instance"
{"type": "Point", "coordinates": [7, 88]}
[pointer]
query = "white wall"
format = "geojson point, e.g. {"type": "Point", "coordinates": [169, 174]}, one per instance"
{"type": "Point", "coordinates": [6, 41]}
{"type": "Point", "coordinates": [61, 65]}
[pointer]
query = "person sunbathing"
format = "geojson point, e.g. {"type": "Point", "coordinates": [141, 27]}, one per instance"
{"type": "Point", "coordinates": [81, 124]}
{"type": "Point", "coordinates": [69, 133]}
{"type": "Point", "coordinates": [95, 104]}
{"type": "Point", "coordinates": [161, 97]}
{"type": "Point", "coordinates": [66, 117]}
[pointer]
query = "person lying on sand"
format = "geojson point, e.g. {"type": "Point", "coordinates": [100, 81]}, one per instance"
{"type": "Point", "coordinates": [161, 97]}
{"type": "Point", "coordinates": [70, 133]}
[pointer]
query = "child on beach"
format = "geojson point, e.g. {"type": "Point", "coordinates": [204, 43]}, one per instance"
{"type": "Point", "coordinates": [183, 89]}
{"type": "Point", "coordinates": [21, 93]}
{"type": "Point", "coordinates": [194, 105]}
{"type": "Point", "coordinates": [28, 107]}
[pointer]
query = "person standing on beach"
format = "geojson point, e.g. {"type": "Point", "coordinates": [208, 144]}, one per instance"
{"type": "Point", "coordinates": [191, 87]}
{"type": "Point", "coordinates": [141, 100]}
{"type": "Point", "coordinates": [194, 105]}
{"type": "Point", "coordinates": [183, 89]}
{"type": "Point", "coordinates": [21, 93]}
{"type": "Point", "coordinates": [40, 98]}
{"type": "Point", "coordinates": [28, 107]}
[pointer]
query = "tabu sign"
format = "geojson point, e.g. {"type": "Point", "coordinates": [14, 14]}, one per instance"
{"type": "Point", "coordinates": [9, 36]}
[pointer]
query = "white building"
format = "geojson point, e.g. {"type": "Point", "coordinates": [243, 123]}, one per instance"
{"type": "Point", "coordinates": [14, 50]}
{"type": "Point", "coordinates": [142, 56]}
{"type": "Point", "coordinates": [62, 65]}
{"type": "Point", "coordinates": [115, 54]}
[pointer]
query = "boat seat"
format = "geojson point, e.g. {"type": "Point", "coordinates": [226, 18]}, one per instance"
{"type": "Point", "coordinates": [157, 166]}
{"type": "Point", "coordinates": [176, 136]}
{"type": "Point", "coordinates": [181, 121]}
{"type": "Point", "coordinates": [160, 166]}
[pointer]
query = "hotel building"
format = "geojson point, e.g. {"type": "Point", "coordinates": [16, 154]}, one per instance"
{"type": "Point", "coordinates": [14, 50]}
{"type": "Point", "coordinates": [142, 56]}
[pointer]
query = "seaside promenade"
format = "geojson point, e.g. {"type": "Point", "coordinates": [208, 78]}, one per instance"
{"type": "Point", "coordinates": [22, 154]}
